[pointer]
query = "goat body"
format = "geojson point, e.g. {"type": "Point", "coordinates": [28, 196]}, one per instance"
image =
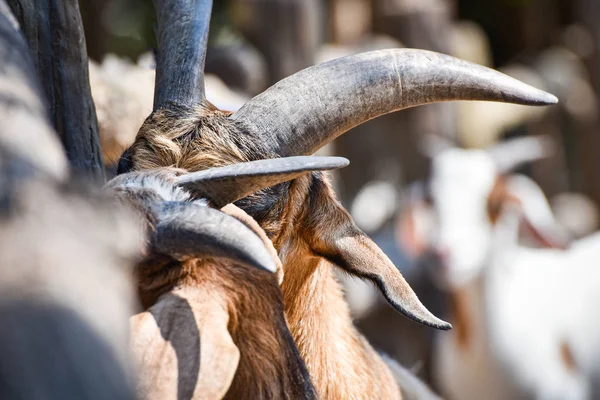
{"type": "Point", "coordinates": [315, 309]}
{"type": "Point", "coordinates": [523, 340]}
{"type": "Point", "coordinates": [219, 333]}
{"type": "Point", "coordinates": [521, 314]}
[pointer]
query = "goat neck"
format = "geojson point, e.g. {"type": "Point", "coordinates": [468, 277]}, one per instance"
{"type": "Point", "coordinates": [204, 333]}
{"type": "Point", "coordinates": [341, 362]}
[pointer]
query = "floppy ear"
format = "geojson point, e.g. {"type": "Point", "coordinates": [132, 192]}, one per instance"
{"type": "Point", "coordinates": [332, 234]}
{"type": "Point", "coordinates": [182, 348]}
{"type": "Point", "coordinates": [537, 220]}
{"type": "Point", "coordinates": [415, 224]}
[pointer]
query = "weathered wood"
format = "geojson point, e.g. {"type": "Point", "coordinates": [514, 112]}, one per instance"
{"type": "Point", "coordinates": [348, 20]}
{"type": "Point", "coordinates": [587, 149]}
{"type": "Point", "coordinates": [54, 33]}
{"type": "Point", "coordinates": [241, 67]}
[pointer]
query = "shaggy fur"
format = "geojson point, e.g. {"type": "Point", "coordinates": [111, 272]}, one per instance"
{"type": "Point", "coordinates": [215, 329]}
{"type": "Point", "coordinates": [236, 309]}
{"type": "Point", "coordinates": [303, 219]}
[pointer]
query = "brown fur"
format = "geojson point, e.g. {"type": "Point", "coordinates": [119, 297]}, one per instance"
{"type": "Point", "coordinates": [461, 318]}
{"type": "Point", "coordinates": [245, 349]}
{"type": "Point", "coordinates": [497, 198]}
{"type": "Point", "coordinates": [201, 138]}
{"type": "Point", "coordinates": [566, 356]}
{"type": "Point", "coordinates": [341, 363]}
{"type": "Point", "coordinates": [340, 360]}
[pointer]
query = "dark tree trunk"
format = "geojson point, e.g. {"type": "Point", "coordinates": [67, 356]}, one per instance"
{"type": "Point", "coordinates": [54, 33]}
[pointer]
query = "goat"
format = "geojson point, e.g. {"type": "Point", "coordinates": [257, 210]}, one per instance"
{"type": "Point", "coordinates": [62, 334]}
{"type": "Point", "coordinates": [214, 325]}
{"type": "Point", "coordinates": [311, 231]}
{"type": "Point", "coordinates": [513, 337]}
{"type": "Point", "coordinates": [82, 351]}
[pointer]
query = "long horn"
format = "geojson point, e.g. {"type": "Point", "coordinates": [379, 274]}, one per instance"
{"type": "Point", "coordinates": [25, 131]}
{"type": "Point", "coordinates": [189, 230]}
{"type": "Point", "coordinates": [227, 184]}
{"type": "Point", "coordinates": [302, 113]}
{"type": "Point", "coordinates": [512, 153]}
{"type": "Point", "coordinates": [182, 39]}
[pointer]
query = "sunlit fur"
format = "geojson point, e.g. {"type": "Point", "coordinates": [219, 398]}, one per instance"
{"type": "Point", "coordinates": [250, 302]}
{"type": "Point", "coordinates": [341, 363]}
{"type": "Point", "coordinates": [236, 311]}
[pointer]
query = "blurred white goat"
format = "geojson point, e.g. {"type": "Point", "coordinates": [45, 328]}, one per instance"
{"type": "Point", "coordinates": [521, 315]}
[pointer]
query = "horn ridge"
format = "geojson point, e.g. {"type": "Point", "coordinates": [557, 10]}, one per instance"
{"type": "Point", "coordinates": [228, 184]}
{"type": "Point", "coordinates": [302, 113]}
{"type": "Point", "coordinates": [187, 230]}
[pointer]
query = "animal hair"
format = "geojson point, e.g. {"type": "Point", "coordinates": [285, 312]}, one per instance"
{"type": "Point", "coordinates": [195, 139]}
{"type": "Point", "coordinates": [269, 364]}
{"type": "Point", "coordinates": [341, 362]}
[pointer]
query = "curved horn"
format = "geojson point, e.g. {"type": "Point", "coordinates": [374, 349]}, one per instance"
{"type": "Point", "coordinates": [188, 230]}
{"type": "Point", "coordinates": [26, 134]}
{"type": "Point", "coordinates": [302, 113]}
{"type": "Point", "coordinates": [182, 38]}
{"type": "Point", "coordinates": [512, 153]}
{"type": "Point", "coordinates": [227, 184]}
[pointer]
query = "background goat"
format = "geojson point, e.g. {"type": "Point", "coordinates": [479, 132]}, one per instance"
{"type": "Point", "coordinates": [214, 325]}
{"type": "Point", "coordinates": [514, 337]}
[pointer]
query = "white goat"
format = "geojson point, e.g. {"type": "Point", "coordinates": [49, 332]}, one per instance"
{"type": "Point", "coordinates": [521, 314]}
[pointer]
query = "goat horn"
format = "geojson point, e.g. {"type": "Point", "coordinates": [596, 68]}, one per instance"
{"type": "Point", "coordinates": [227, 184]}
{"type": "Point", "coordinates": [307, 110]}
{"type": "Point", "coordinates": [23, 110]}
{"type": "Point", "coordinates": [189, 230]}
{"type": "Point", "coordinates": [512, 153]}
{"type": "Point", "coordinates": [182, 39]}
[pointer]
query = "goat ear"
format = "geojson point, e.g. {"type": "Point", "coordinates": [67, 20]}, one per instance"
{"type": "Point", "coordinates": [182, 348]}
{"type": "Point", "coordinates": [335, 237]}
{"type": "Point", "coordinates": [415, 223]}
{"type": "Point", "coordinates": [537, 219]}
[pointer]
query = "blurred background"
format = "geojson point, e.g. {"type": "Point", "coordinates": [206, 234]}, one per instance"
{"type": "Point", "coordinates": [551, 44]}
